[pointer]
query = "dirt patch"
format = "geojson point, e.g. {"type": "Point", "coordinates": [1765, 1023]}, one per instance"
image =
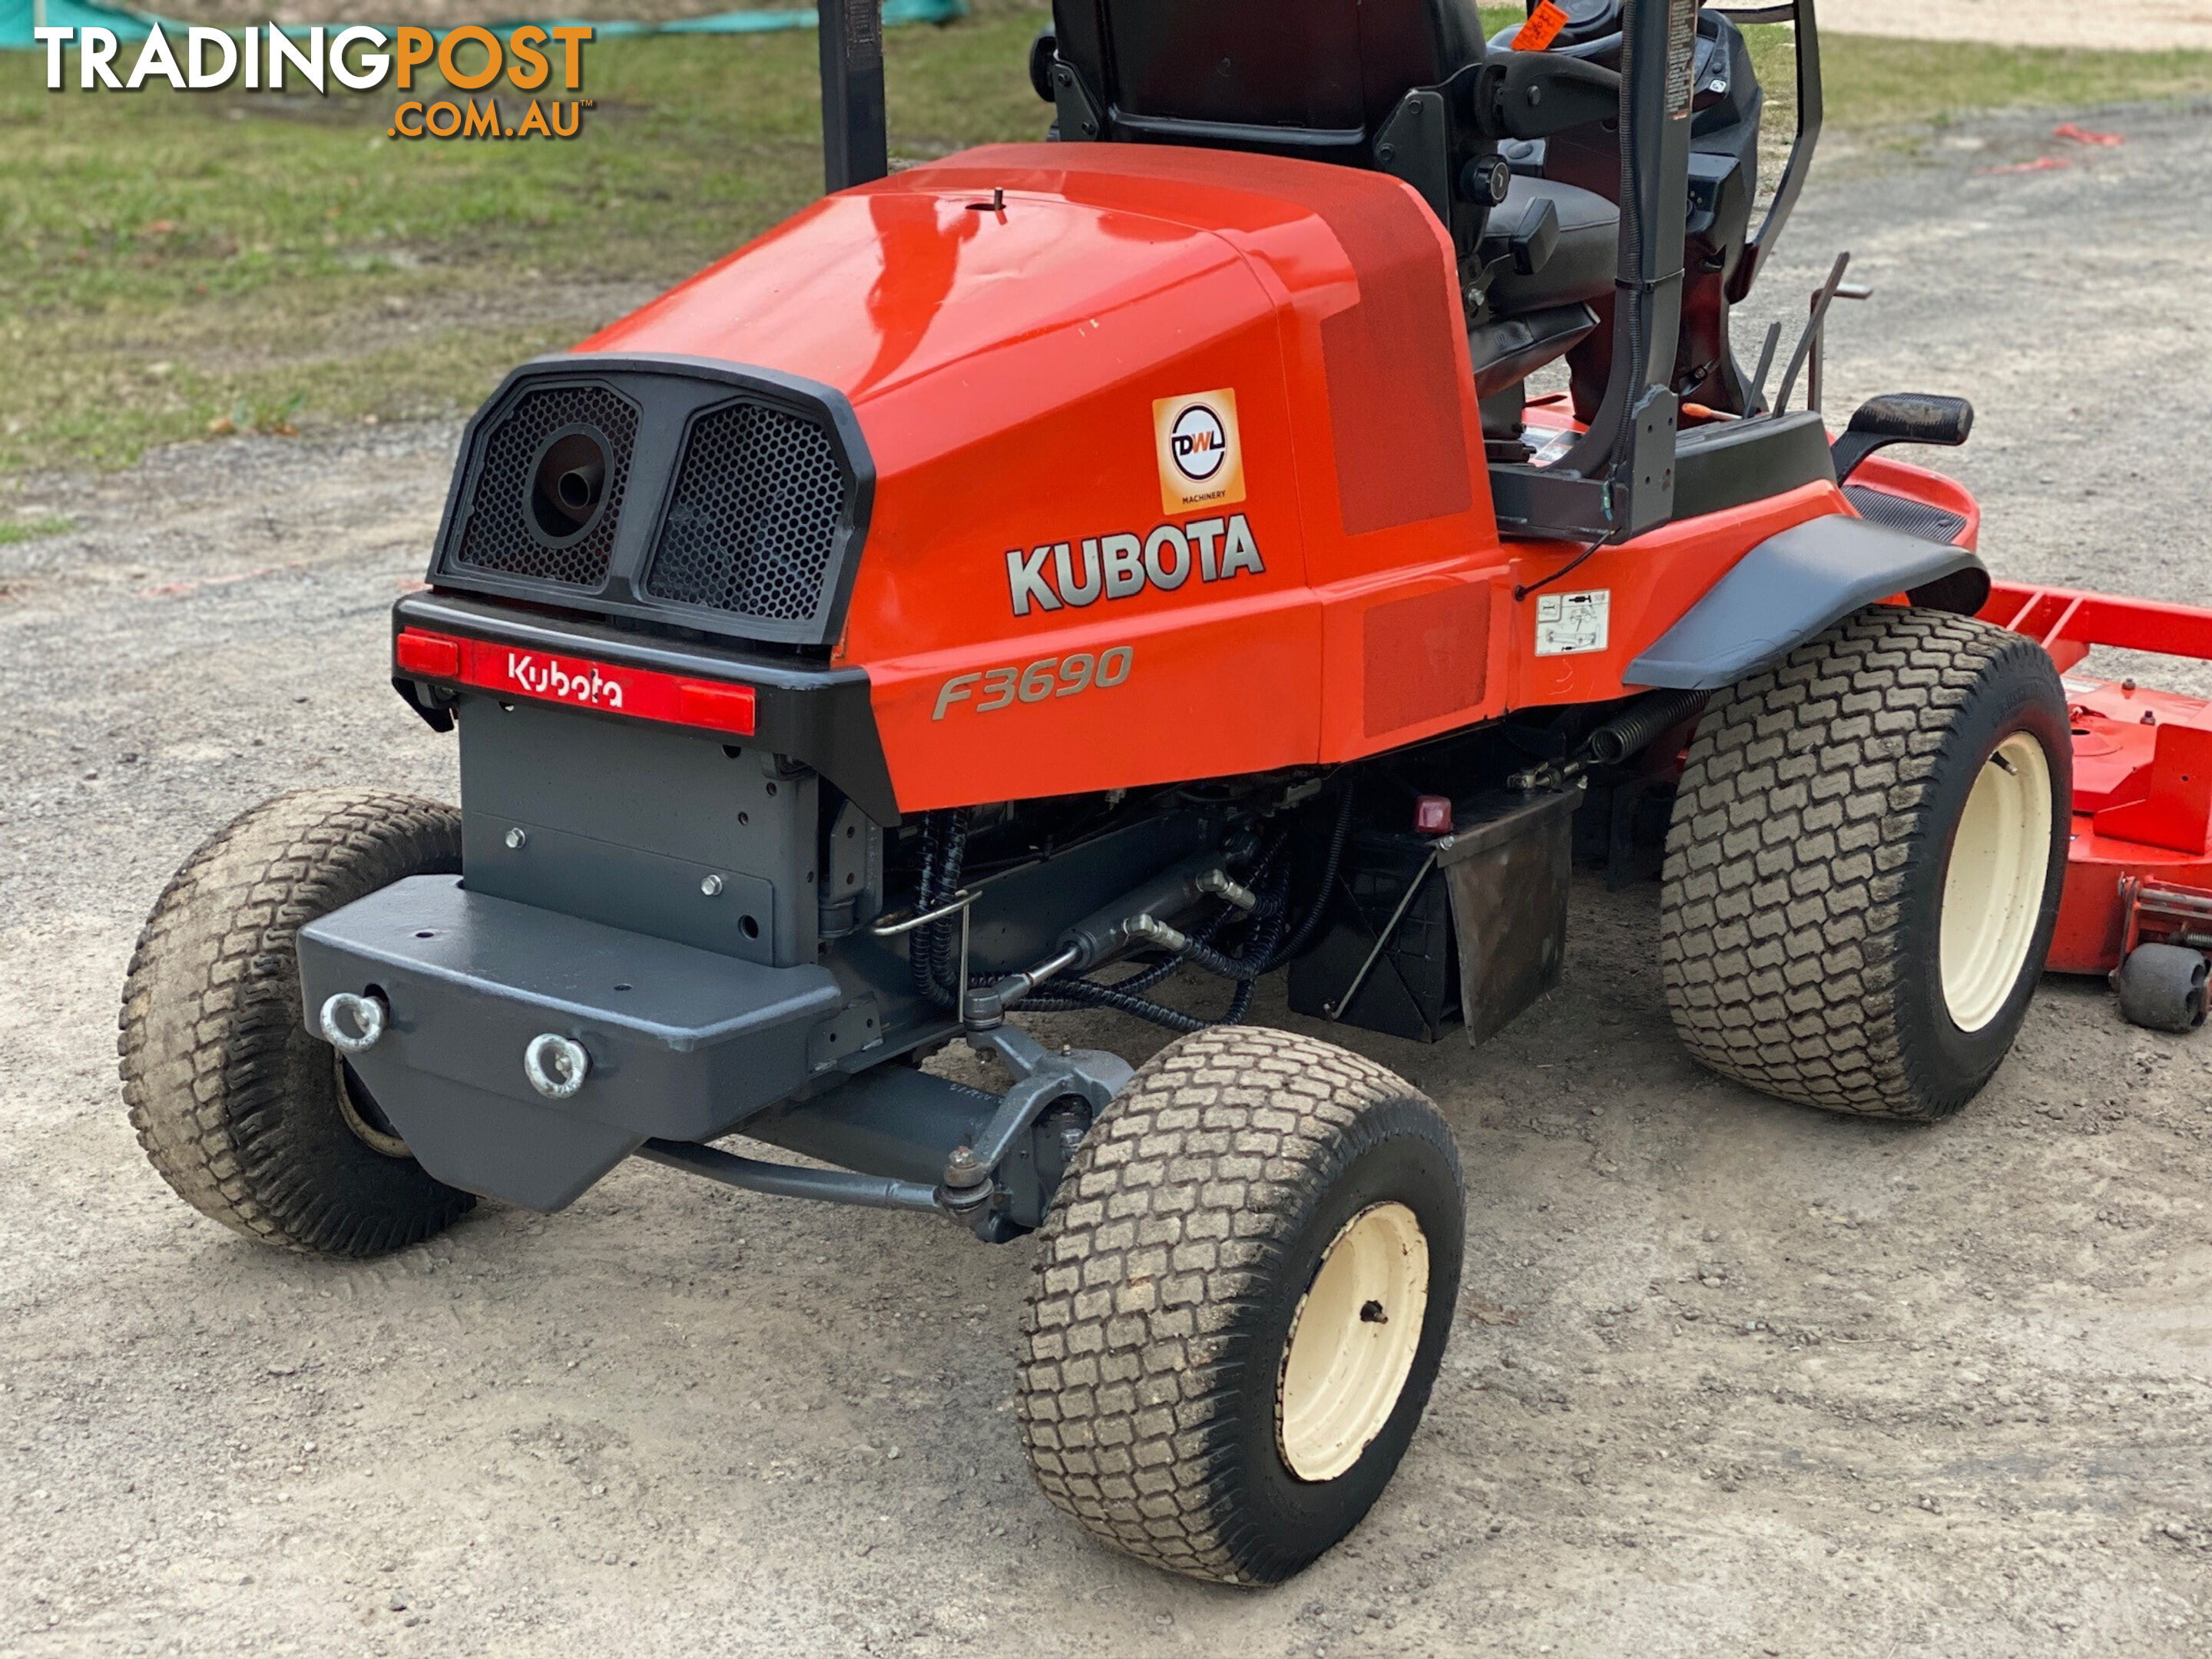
{"type": "Point", "coordinates": [1730, 1378]}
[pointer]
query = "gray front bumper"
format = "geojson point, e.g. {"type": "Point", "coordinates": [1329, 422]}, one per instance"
{"type": "Point", "coordinates": [685, 1043]}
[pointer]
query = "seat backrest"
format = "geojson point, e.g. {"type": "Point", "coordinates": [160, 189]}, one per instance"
{"type": "Point", "coordinates": [1313, 78]}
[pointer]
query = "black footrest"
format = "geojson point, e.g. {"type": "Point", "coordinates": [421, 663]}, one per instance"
{"type": "Point", "coordinates": [1902, 417]}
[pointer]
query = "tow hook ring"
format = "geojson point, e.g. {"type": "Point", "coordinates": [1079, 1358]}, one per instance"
{"type": "Point", "coordinates": [556, 1066]}
{"type": "Point", "coordinates": [367, 1015]}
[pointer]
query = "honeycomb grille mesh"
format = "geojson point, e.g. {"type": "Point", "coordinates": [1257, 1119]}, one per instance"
{"type": "Point", "coordinates": [498, 535]}
{"type": "Point", "coordinates": [753, 520]}
{"type": "Point", "coordinates": [1893, 512]}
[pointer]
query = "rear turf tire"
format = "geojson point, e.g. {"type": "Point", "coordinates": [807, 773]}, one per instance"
{"type": "Point", "coordinates": [251, 1118]}
{"type": "Point", "coordinates": [1212, 1380]}
{"type": "Point", "coordinates": [1865, 864]}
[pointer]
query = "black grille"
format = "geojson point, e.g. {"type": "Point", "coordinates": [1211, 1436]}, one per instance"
{"type": "Point", "coordinates": [498, 535]}
{"type": "Point", "coordinates": [759, 499]}
{"type": "Point", "coordinates": [1893, 512]}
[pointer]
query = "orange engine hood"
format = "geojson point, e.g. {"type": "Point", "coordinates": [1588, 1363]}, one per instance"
{"type": "Point", "coordinates": [943, 319]}
{"type": "Point", "coordinates": [1015, 329]}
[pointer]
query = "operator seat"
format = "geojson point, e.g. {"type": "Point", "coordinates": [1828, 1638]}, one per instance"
{"type": "Point", "coordinates": [1318, 80]}
{"type": "Point", "coordinates": [1312, 79]}
{"type": "Point", "coordinates": [1728, 106]}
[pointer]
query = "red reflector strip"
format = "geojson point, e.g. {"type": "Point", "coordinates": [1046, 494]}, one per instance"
{"type": "Point", "coordinates": [580, 681]}
{"type": "Point", "coordinates": [426, 654]}
{"type": "Point", "coordinates": [724, 708]}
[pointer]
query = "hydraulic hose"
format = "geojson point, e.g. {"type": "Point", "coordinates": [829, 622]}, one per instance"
{"type": "Point", "coordinates": [1264, 959]}
{"type": "Point", "coordinates": [1240, 1003]}
{"type": "Point", "coordinates": [1084, 993]}
{"type": "Point", "coordinates": [1265, 954]}
{"type": "Point", "coordinates": [1074, 994]}
{"type": "Point", "coordinates": [917, 955]}
{"type": "Point", "coordinates": [944, 855]}
{"type": "Point", "coordinates": [1306, 928]}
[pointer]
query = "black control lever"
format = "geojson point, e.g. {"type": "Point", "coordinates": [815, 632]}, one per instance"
{"type": "Point", "coordinates": [1822, 299]}
{"type": "Point", "coordinates": [1757, 403]}
{"type": "Point", "coordinates": [1534, 95]}
{"type": "Point", "coordinates": [1527, 239]}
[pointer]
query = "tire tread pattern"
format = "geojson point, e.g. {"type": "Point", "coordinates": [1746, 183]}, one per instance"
{"type": "Point", "coordinates": [1808, 788]}
{"type": "Point", "coordinates": [210, 1039]}
{"type": "Point", "coordinates": [1171, 1225]}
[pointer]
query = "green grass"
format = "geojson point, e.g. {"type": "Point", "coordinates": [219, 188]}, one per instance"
{"type": "Point", "coordinates": [1893, 92]}
{"type": "Point", "coordinates": [1881, 83]}
{"type": "Point", "coordinates": [25, 530]}
{"type": "Point", "coordinates": [174, 264]}
{"type": "Point", "coordinates": [173, 261]}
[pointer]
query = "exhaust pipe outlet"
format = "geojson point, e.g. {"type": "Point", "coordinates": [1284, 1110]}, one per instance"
{"type": "Point", "coordinates": [578, 488]}
{"type": "Point", "coordinates": [568, 484]}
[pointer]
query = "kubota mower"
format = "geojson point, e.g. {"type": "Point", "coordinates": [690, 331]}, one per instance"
{"type": "Point", "coordinates": [1026, 578]}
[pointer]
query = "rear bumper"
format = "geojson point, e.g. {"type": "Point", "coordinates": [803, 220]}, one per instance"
{"type": "Point", "coordinates": [685, 1043]}
{"type": "Point", "coordinates": [819, 714]}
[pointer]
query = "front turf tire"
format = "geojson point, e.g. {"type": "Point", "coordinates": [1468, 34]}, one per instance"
{"type": "Point", "coordinates": [1864, 866]}
{"type": "Point", "coordinates": [249, 1117]}
{"type": "Point", "coordinates": [1212, 1309]}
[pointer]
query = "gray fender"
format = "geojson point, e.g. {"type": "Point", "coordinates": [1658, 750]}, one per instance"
{"type": "Point", "coordinates": [1792, 586]}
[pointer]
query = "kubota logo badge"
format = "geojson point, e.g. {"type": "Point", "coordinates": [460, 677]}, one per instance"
{"type": "Point", "coordinates": [551, 678]}
{"type": "Point", "coordinates": [1202, 462]}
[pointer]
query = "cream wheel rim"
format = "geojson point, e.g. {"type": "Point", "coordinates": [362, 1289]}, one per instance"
{"type": "Point", "coordinates": [1352, 1342]}
{"type": "Point", "coordinates": [1993, 890]}
{"type": "Point", "coordinates": [376, 1140]}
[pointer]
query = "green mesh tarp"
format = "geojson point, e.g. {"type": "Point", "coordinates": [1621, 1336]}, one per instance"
{"type": "Point", "coordinates": [19, 17]}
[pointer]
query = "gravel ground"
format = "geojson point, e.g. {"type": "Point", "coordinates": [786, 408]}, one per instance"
{"type": "Point", "coordinates": [2140, 25]}
{"type": "Point", "coordinates": [1729, 1377]}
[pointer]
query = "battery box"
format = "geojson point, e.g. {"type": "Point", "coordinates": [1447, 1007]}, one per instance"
{"type": "Point", "coordinates": [1480, 937]}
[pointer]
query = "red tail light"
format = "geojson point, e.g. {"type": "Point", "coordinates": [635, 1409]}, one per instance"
{"type": "Point", "coordinates": [580, 681]}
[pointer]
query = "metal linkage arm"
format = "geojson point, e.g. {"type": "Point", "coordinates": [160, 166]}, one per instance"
{"type": "Point", "coordinates": [1088, 1074]}
{"type": "Point", "coordinates": [790, 1180]}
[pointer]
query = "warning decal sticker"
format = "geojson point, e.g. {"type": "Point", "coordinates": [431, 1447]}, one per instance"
{"type": "Point", "coordinates": [1681, 55]}
{"type": "Point", "coordinates": [1571, 624]}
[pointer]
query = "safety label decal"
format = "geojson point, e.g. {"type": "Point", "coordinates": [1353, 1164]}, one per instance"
{"type": "Point", "coordinates": [1571, 624]}
{"type": "Point", "coordinates": [1681, 57]}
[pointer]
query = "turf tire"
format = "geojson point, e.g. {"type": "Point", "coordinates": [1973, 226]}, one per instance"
{"type": "Point", "coordinates": [1803, 894]}
{"type": "Point", "coordinates": [1190, 1228]}
{"type": "Point", "coordinates": [236, 1104]}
